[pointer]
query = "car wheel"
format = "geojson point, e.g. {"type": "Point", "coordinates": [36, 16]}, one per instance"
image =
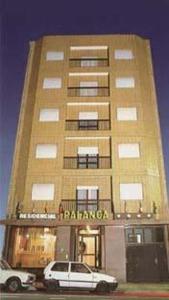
{"type": "Point", "coordinates": [52, 286]}
{"type": "Point", "coordinates": [13, 284]}
{"type": "Point", "coordinates": [103, 287]}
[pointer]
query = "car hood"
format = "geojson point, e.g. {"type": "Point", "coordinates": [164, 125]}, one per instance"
{"type": "Point", "coordinates": [104, 277]}
{"type": "Point", "coordinates": [19, 273]}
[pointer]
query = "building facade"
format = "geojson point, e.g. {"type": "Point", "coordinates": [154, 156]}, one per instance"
{"type": "Point", "coordinates": [88, 180]}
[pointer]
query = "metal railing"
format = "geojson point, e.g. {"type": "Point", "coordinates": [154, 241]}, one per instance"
{"type": "Point", "coordinates": [88, 91]}
{"type": "Point", "coordinates": [88, 124]}
{"type": "Point", "coordinates": [87, 204]}
{"type": "Point", "coordinates": [87, 162]}
{"type": "Point", "coordinates": [88, 62]}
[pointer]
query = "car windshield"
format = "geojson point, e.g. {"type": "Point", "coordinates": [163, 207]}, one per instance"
{"type": "Point", "coordinates": [4, 265]}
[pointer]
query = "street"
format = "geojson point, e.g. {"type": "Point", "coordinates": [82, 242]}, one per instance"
{"type": "Point", "coordinates": [70, 296]}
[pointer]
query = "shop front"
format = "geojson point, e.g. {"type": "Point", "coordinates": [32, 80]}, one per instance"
{"type": "Point", "coordinates": [129, 252]}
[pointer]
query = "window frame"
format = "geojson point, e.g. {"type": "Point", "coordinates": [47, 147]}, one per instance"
{"type": "Point", "coordinates": [88, 271]}
{"type": "Point", "coordinates": [60, 263]}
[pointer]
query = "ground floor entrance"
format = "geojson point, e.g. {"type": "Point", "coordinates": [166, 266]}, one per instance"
{"type": "Point", "coordinates": [89, 246]}
{"type": "Point", "coordinates": [147, 263]}
{"type": "Point", "coordinates": [131, 253]}
{"type": "Point", "coordinates": [146, 254]}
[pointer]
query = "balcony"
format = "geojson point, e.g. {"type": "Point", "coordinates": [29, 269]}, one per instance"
{"type": "Point", "coordinates": [87, 205]}
{"type": "Point", "coordinates": [87, 124]}
{"type": "Point", "coordinates": [88, 91]}
{"type": "Point", "coordinates": [87, 162]}
{"type": "Point", "coordinates": [88, 62]}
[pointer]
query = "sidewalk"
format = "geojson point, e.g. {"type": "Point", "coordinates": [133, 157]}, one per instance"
{"type": "Point", "coordinates": [140, 290]}
{"type": "Point", "coordinates": [160, 290]}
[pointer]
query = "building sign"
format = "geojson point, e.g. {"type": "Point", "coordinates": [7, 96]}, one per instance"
{"type": "Point", "coordinates": [37, 216]}
{"type": "Point", "coordinates": [85, 215]}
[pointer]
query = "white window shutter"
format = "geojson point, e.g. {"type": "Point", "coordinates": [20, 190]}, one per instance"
{"type": "Point", "coordinates": [88, 150]}
{"type": "Point", "coordinates": [125, 82]}
{"type": "Point", "coordinates": [128, 150]}
{"type": "Point", "coordinates": [49, 115]}
{"type": "Point", "coordinates": [123, 54]}
{"type": "Point", "coordinates": [42, 191]}
{"type": "Point", "coordinates": [46, 151]}
{"type": "Point", "coordinates": [91, 115]}
{"type": "Point", "coordinates": [52, 83]}
{"type": "Point", "coordinates": [131, 191]}
{"type": "Point", "coordinates": [54, 55]}
{"type": "Point", "coordinates": [126, 114]}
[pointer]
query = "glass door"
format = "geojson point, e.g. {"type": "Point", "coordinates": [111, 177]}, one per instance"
{"type": "Point", "coordinates": [89, 248]}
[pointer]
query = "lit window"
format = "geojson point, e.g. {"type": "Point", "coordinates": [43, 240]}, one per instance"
{"type": "Point", "coordinates": [126, 114]}
{"type": "Point", "coordinates": [87, 198]}
{"type": "Point", "coordinates": [42, 191]}
{"type": "Point", "coordinates": [46, 151]}
{"type": "Point", "coordinates": [52, 83]}
{"type": "Point", "coordinates": [49, 115]}
{"type": "Point", "coordinates": [123, 54]}
{"type": "Point", "coordinates": [54, 55]}
{"type": "Point", "coordinates": [128, 150]}
{"type": "Point", "coordinates": [39, 241]}
{"type": "Point", "coordinates": [88, 121]}
{"type": "Point", "coordinates": [131, 191]}
{"type": "Point", "coordinates": [88, 88]}
{"type": "Point", "coordinates": [125, 82]}
{"type": "Point", "coordinates": [89, 61]}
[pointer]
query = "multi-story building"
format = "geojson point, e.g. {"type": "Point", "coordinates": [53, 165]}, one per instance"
{"type": "Point", "coordinates": [88, 179]}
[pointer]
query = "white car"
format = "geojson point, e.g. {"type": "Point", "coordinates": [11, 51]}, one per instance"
{"type": "Point", "coordinates": [76, 275]}
{"type": "Point", "coordinates": [14, 280]}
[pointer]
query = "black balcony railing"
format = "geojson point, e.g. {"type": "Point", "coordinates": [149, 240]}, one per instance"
{"type": "Point", "coordinates": [87, 124]}
{"type": "Point", "coordinates": [87, 162]}
{"type": "Point", "coordinates": [87, 204]}
{"type": "Point", "coordinates": [88, 62]}
{"type": "Point", "coordinates": [88, 91]}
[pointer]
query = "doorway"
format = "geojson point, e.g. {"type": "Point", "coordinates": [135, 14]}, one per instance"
{"type": "Point", "coordinates": [89, 246]}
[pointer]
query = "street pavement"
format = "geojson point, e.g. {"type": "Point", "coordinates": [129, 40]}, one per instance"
{"type": "Point", "coordinates": [64, 296]}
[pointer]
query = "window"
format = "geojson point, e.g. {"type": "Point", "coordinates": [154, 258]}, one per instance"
{"type": "Point", "coordinates": [128, 150]}
{"type": "Point", "coordinates": [88, 150]}
{"type": "Point", "coordinates": [88, 158]}
{"type": "Point", "coordinates": [43, 191]}
{"type": "Point", "coordinates": [54, 55]}
{"type": "Point", "coordinates": [87, 198]}
{"type": "Point", "coordinates": [144, 235]}
{"type": "Point", "coordinates": [131, 191]}
{"type": "Point", "coordinates": [34, 247]}
{"type": "Point", "coordinates": [88, 115]}
{"type": "Point", "coordinates": [88, 121]}
{"type": "Point", "coordinates": [125, 82]}
{"type": "Point", "coordinates": [123, 54]}
{"type": "Point", "coordinates": [89, 61]}
{"type": "Point", "coordinates": [52, 83]}
{"type": "Point", "coordinates": [46, 151]}
{"type": "Point", "coordinates": [88, 88]}
{"type": "Point", "coordinates": [49, 115]}
{"type": "Point", "coordinates": [79, 268]}
{"type": "Point", "coordinates": [126, 114]}
{"type": "Point", "coordinates": [60, 267]}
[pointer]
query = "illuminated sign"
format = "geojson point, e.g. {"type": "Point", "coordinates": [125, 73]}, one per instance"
{"type": "Point", "coordinates": [85, 215]}
{"type": "Point", "coordinates": [37, 216]}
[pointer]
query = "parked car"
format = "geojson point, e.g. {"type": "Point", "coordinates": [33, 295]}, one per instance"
{"type": "Point", "coordinates": [76, 275]}
{"type": "Point", "coordinates": [14, 280]}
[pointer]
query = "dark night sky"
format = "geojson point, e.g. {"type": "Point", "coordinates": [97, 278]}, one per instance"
{"type": "Point", "coordinates": [25, 20]}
